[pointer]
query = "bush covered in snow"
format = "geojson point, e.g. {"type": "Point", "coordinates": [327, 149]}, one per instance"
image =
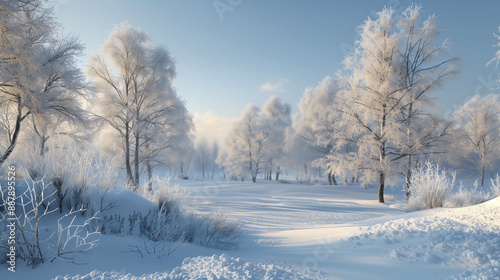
{"type": "Point", "coordinates": [72, 173]}
{"type": "Point", "coordinates": [495, 186]}
{"type": "Point", "coordinates": [215, 230]}
{"type": "Point", "coordinates": [466, 197]}
{"type": "Point", "coordinates": [430, 187]}
{"type": "Point", "coordinates": [171, 223]}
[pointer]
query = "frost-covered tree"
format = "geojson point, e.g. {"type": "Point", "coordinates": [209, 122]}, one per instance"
{"type": "Point", "coordinates": [167, 136]}
{"type": "Point", "coordinates": [372, 100]}
{"type": "Point", "coordinates": [39, 81]}
{"type": "Point", "coordinates": [314, 135]}
{"type": "Point", "coordinates": [247, 146]}
{"type": "Point", "coordinates": [203, 156]}
{"type": "Point", "coordinates": [424, 67]}
{"type": "Point", "coordinates": [135, 96]}
{"type": "Point", "coordinates": [206, 158]}
{"type": "Point", "coordinates": [62, 82]}
{"type": "Point", "coordinates": [279, 116]}
{"type": "Point", "coordinates": [214, 153]}
{"type": "Point", "coordinates": [476, 144]}
{"type": "Point", "coordinates": [299, 149]}
{"type": "Point", "coordinates": [387, 82]}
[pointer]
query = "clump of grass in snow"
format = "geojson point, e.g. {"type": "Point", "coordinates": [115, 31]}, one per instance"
{"type": "Point", "coordinates": [432, 187]}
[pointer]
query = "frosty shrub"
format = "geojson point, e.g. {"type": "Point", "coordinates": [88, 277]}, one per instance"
{"type": "Point", "coordinates": [82, 179]}
{"type": "Point", "coordinates": [34, 164]}
{"type": "Point", "coordinates": [64, 173]}
{"type": "Point", "coordinates": [165, 232]}
{"type": "Point", "coordinates": [106, 178]}
{"type": "Point", "coordinates": [466, 197]}
{"type": "Point", "coordinates": [73, 173]}
{"type": "Point", "coordinates": [173, 222]}
{"type": "Point", "coordinates": [495, 186]}
{"type": "Point", "coordinates": [168, 198]}
{"type": "Point", "coordinates": [430, 187]}
{"type": "Point", "coordinates": [35, 244]}
{"type": "Point", "coordinates": [217, 231]}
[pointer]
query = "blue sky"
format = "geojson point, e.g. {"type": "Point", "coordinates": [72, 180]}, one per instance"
{"type": "Point", "coordinates": [224, 63]}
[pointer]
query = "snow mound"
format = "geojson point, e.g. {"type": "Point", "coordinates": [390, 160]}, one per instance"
{"type": "Point", "coordinates": [214, 267]}
{"type": "Point", "coordinates": [485, 272]}
{"type": "Point", "coordinates": [466, 237]}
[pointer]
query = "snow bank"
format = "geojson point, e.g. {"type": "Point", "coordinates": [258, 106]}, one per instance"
{"type": "Point", "coordinates": [467, 237]}
{"type": "Point", "coordinates": [214, 267]}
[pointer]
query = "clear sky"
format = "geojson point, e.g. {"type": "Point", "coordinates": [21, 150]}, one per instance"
{"type": "Point", "coordinates": [258, 48]}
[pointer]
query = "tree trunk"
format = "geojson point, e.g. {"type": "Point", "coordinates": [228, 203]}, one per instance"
{"type": "Point", "coordinates": [130, 179]}
{"type": "Point", "coordinates": [278, 172]}
{"type": "Point", "coordinates": [381, 184]}
{"type": "Point", "coordinates": [329, 179]}
{"type": "Point", "coordinates": [482, 174]}
{"type": "Point", "coordinates": [17, 129]}
{"type": "Point", "coordinates": [136, 162]}
{"type": "Point", "coordinates": [150, 176]}
{"type": "Point", "coordinates": [408, 178]}
{"type": "Point", "coordinates": [43, 140]}
{"type": "Point", "coordinates": [381, 188]}
{"type": "Point", "coordinates": [333, 179]}
{"type": "Point", "coordinates": [408, 144]}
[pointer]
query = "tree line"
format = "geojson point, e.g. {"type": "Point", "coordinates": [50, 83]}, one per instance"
{"type": "Point", "coordinates": [371, 122]}
{"type": "Point", "coordinates": [376, 119]}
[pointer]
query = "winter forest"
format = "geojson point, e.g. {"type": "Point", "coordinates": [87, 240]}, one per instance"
{"type": "Point", "coordinates": [106, 175]}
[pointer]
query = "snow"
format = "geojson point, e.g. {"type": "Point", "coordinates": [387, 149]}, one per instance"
{"type": "Point", "coordinates": [295, 231]}
{"type": "Point", "coordinates": [214, 267]}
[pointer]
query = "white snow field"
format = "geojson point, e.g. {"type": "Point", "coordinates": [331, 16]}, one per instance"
{"type": "Point", "coordinates": [295, 231]}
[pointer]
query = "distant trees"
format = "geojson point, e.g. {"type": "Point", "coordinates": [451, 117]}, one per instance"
{"type": "Point", "coordinates": [476, 142]}
{"type": "Point", "coordinates": [279, 116]}
{"type": "Point", "coordinates": [136, 99]}
{"type": "Point", "coordinates": [247, 144]}
{"type": "Point", "coordinates": [203, 156]}
{"type": "Point", "coordinates": [249, 147]}
{"type": "Point", "coordinates": [40, 84]}
{"type": "Point", "coordinates": [206, 156]}
{"type": "Point", "coordinates": [314, 131]}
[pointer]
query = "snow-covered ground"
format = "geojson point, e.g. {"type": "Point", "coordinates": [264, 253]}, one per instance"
{"type": "Point", "coordinates": [295, 231]}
